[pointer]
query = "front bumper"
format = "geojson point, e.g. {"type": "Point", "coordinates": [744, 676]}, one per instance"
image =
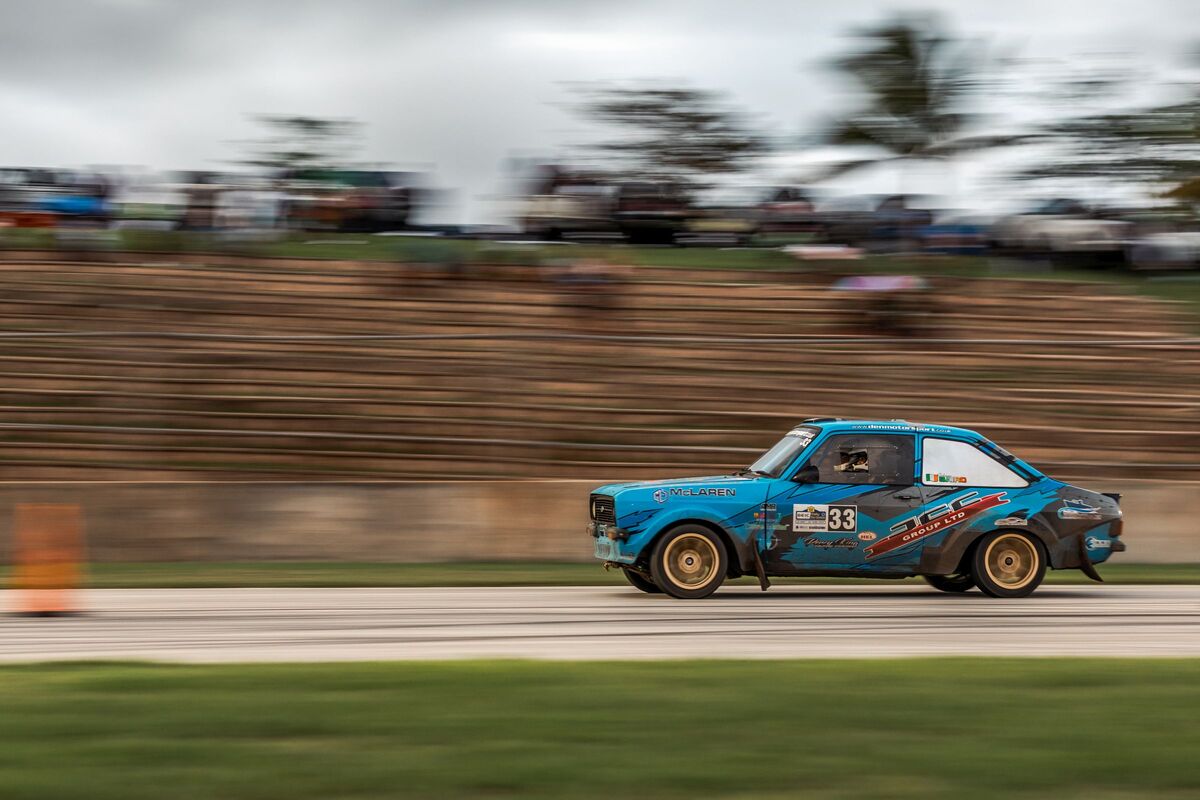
{"type": "Point", "coordinates": [610, 541]}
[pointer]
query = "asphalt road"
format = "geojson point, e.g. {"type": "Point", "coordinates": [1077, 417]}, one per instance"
{"type": "Point", "coordinates": [215, 625]}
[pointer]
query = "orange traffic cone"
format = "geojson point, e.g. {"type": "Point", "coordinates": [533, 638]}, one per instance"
{"type": "Point", "coordinates": [47, 558]}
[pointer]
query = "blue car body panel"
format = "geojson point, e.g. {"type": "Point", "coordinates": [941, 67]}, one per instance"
{"type": "Point", "coordinates": [645, 509]}
{"type": "Point", "coordinates": [912, 527]}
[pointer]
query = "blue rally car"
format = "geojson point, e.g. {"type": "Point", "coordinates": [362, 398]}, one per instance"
{"type": "Point", "coordinates": [876, 499]}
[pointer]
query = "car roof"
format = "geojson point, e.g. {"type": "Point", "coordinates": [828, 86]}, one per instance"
{"type": "Point", "coordinates": [838, 425]}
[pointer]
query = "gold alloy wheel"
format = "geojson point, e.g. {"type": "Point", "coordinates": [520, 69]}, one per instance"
{"type": "Point", "coordinates": [1011, 561]}
{"type": "Point", "coordinates": [690, 561]}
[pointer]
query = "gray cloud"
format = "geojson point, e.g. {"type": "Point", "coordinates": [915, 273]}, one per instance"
{"type": "Point", "coordinates": [452, 83]}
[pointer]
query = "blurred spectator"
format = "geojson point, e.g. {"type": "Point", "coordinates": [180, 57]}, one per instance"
{"type": "Point", "coordinates": [590, 286]}
{"type": "Point", "coordinates": [885, 305]}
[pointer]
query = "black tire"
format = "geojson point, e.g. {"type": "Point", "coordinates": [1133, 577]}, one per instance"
{"type": "Point", "coordinates": [641, 582]}
{"type": "Point", "coordinates": [689, 562]}
{"type": "Point", "coordinates": [955, 584]}
{"type": "Point", "coordinates": [1008, 564]}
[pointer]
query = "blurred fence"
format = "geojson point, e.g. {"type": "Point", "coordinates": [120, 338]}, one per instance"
{"type": "Point", "coordinates": [430, 521]}
{"type": "Point", "coordinates": [135, 368]}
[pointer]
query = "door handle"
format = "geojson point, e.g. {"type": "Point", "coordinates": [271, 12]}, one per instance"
{"type": "Point", "coordinates": [908, 496]}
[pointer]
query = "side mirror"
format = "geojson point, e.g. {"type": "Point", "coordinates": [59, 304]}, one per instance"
{"type": "Point", "coordinates": [808, 474]}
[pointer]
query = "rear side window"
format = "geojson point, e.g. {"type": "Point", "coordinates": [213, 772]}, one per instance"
{"type": "Point", "coordinates": [950, 463]}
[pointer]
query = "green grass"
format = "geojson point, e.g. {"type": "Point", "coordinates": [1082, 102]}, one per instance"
{"type": "Point", "coordinates": [315, 574]}
{"type": "Point", "coordinates": [402, 248]}
{"type": "Point", "coordinates": [944, 728]}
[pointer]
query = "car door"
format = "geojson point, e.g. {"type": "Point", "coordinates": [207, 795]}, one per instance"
{"type": "Point", "coordinates": [843, 497]}
{"type": "Point", "coordinates": [961, 485]}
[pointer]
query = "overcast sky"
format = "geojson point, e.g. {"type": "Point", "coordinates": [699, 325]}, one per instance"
{"type": "Point", "coordinates": [457, 85]}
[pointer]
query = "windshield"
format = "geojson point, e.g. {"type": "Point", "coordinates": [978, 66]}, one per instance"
{"type": "Point", "coordinates": [773, 462]}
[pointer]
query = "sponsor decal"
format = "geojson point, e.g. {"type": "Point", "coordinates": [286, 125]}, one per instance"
{"type": "Point", "coordinates": [1077, 509]}
{"type": "Point", "coordinates": [662, 495]}
{"type": "Point", "coordinates": [866, 536]}
{"type": "Point", "coordinates": [1094, 543]}
{"type": "Point", "coordinates": [937, 477]}
{"type": "Point", "coordinates": [905, 427]}
{"type": "Point", "coordinates": [807, 519]}
{"type": "Point", "coordinates": [771, 520]}
{"type": "Point", "coordinates": [830, 544]}
{"type": "Point", "coordinates": [769, 507]}
{"type": "Point", "coordinates": [936, 519]}
{"type": "Point", "coordinates": [1012, 522]}
{"type": "Point", "coordinates": [822, 518]}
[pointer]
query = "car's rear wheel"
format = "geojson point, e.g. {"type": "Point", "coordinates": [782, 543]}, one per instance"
{"type": "Point", "coordinates": [688, 562]}
{"type": "Point", "coordinates": [641, 582]}
{"type": "Point", "coordinates": [958, 582]}
{"type": "Point", "coordinates": [1008, 564]}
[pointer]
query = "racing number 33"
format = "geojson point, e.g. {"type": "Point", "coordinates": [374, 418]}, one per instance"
{"type": "Point", "coordinates": [843, 519]}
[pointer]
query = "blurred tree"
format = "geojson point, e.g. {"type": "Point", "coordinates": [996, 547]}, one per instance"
{"type": "Point", "coordinates": [302, 144]}
{"type": "Point", "coordinates": [1158, 146]}
{"type": "Point", "coordinates": [676, 135]}
{"type": "Point", "coordinates": [917, 83]}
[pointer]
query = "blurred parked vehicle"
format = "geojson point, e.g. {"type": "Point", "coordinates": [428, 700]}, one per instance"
{"type": "Point", "coordinates": [570, 211]}
{"type": "Point", "coordinates": [650, 213]}
{"type": "Point", "coordinates": [956, 234]}
{"type": "Point", "coordinates": [731, 225]}
{"type": "Point", "coordinates": [20, 200]}
{"type": "Point", "coordinates": [1178, 249]}
{"type": "Point", "coordinates": [348, 201]}
{"type": "Point", "coordinates": [564, 205]}
{"type": "Point", "coordinates": [1062, 228]}
{"type": "Point", "coordinates": [786, 210]}
{"type": "Point", "coordinates": [42, 198]}
{"type": "Point", "coordinates": [894, 223]}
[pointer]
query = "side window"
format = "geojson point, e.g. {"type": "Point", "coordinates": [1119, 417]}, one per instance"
{"type": "Point", "coordinates": [949, 463]}
{"type": "Point", "coordinates": [885, 460]}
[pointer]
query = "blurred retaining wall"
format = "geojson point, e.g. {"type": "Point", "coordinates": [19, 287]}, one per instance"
{"type": "Point", "coordinates": [430, 521]}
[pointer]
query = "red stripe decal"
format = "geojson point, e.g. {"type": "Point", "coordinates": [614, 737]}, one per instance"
{"type": "Point", "coordinates": [934, 525]}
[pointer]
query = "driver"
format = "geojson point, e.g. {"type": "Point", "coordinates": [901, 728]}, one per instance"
{"type": "Point", "coordinates": [853, 461]}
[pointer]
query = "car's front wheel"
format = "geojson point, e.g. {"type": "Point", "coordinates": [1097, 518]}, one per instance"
{"type": "Point", "coordinates": [958, 582]}
{"type": "Point", "coordinates": [688, 562]}
{"type": "Point", "coordinates": [641, 582]}
{"type": "Point", "coordinates": [1008, 564]}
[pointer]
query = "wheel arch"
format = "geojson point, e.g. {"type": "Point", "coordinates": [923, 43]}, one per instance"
{"type": "Point", "coordinates": [948, 557]}
{"type": "Point", "coordinates": [735, 550]}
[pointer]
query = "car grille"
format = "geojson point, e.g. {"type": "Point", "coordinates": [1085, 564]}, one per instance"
{"type": "Point", "coordinates": [603, 509]}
